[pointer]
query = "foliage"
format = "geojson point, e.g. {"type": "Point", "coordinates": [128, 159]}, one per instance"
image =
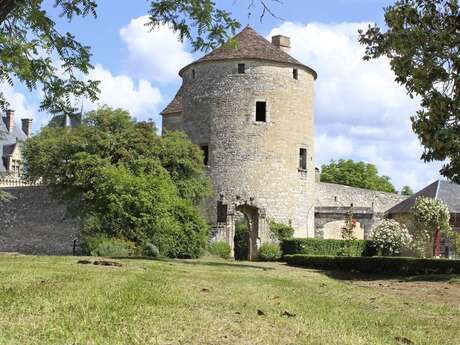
{"type": "Point", "coordinates": [348, 232]}
{"type": "Point", "coordinates": [150, 250]}
{"type": "Point", "coordinates": [318, 246]}
{"type": "Point", "coordinates": [35, 53]}
{"type": "Point", "coordinates": [422, 43]}
{"type": "Point", "coordinates": [269, 252]}
{"type": "Point", "coordinates": [390, 237]}
{"type": "Point", "coordinates": [281, 231]}
{"type": "Point", "coordinates": [355, 174]}
{"type": "Point", "coordinates": [112, 172]}
{"type": "Point", "coordinates": [220, 248]}
{"type": "Point", "coordinates": [241, 240]}
{"type": "Point", "coordinates": [407, 190]}
{"type": "Point", "coordinates": [376, 265]}
{"type": "Point", "coordinates": [429, 215]}
{"type": "Point", "coordinates": [111, 247]}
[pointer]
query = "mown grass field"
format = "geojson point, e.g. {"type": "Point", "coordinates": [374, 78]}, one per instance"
{"type": "Point", "coordinates": [54, 300]}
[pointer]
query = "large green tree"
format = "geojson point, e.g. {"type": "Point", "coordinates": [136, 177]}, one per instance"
{"type": "Point", "coordinates": [123, 180]}
{"type": "Point", "coordinates": [355, 174]}
{"type": "Point", "coordinates": [33, 52]}
{"type": "Point", "coordinates": [422, 41]}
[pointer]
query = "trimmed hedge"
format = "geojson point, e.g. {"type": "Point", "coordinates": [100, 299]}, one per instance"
{"type": "Point", "coordinates": [376, 265]}
{"type": "Point", "coordinates": [318, 246]}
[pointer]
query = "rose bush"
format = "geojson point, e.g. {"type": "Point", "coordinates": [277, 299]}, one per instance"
{"type": "Point", "coordinates": [390, 237]}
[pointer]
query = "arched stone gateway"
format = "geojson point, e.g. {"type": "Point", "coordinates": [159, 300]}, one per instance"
{"type": "Point", "coordinates": [255, 217]}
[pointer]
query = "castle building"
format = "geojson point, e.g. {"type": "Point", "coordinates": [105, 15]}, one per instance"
{"type": "Point", "coordinates": [11, 137]}
{"type": "Point", "coordinates": [250, 106]}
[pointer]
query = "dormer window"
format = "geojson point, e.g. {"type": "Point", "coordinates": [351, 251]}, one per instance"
{"type": "Point", "coordinates": [295, 73]}
{"type": "Point", "coordinates": [241, 68]}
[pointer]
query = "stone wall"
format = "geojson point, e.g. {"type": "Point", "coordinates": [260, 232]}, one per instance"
{"type": "Point", "coordinates": [333, 202]}
{"type": "Point", "coordinates": [32, 223]}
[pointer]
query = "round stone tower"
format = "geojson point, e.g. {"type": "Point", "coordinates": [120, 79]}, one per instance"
{"type": "Point", "coordinates": [249, 106]}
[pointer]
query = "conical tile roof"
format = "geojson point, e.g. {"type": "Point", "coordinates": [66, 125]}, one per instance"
{"type": "Point", "coordinates": [250, 45]}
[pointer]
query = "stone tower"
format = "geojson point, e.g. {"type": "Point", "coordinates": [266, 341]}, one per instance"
{"type": "Point", "coordinates": [249, 106]}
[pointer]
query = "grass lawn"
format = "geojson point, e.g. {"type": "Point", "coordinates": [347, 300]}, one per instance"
{"type": "Point", "coordinates": [54, 300]}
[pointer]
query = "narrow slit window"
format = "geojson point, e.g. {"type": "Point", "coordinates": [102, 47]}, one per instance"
{"type": "Point", "coordinates": [241, 68]}
{"type": "Point", "coordinates": [303, 159]}
{"type": "Point", "coordinates": [205, 149]}
{"type": "Point", "coordinates": [295, 73]}
{"type": "Point", "coordinates": [261, 111]}
{"type": "Point", "coordinates": [193, 74]}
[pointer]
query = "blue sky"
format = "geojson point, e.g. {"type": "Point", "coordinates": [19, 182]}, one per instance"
{"type": "Point", "coordinates": [360, 112]}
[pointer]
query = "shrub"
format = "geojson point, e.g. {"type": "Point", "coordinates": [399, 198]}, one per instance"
{"type": "Point", "coordinates": [318, 246]}
{"type": "Point", "coordinates": [390, 237]}
{"type": "Point", "coordinates": [220, 248]}
{"type": "Point", "coordinates": [150, 250]}
{"type": "Point", "coordinates": [281, 231]}
{"type": "Point", "coordinates": [376, 265]}
{"type": "Point", "coordinates": [269, 252]}
{"type": "Point", "coordinates": [112, 247]}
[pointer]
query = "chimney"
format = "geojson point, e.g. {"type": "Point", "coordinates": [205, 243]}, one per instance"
{"type": "Point", "coordinates": [27, 127]}
{"type": "Point", "coordinates": [9, 120]}
{"type": "Point", "coordinates": [282, 42]}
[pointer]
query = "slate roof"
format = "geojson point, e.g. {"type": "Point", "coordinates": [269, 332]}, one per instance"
{"type": "Point", "coordinates": [66, 121]}
{"type": "Point", "coordinates": [446, 191]}
{"type": "Point", "coordinates": [175, 106]}
{"type": "Point", "coordinates": [250, 45]}
{"type": "Point", "coordinates": [8, 140]}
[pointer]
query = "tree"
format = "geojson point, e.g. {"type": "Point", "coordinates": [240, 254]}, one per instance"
{"type": "Point", "coordinates": [423, 44]}
{"type": "Point", "coordinates": [407, 190]}
{"type": "Point", "coordinates": [355, 174]}
{"type": "Point", "coordinates": [431, 218]}
{"type": "Point", "coordinates": [348, 231]}
{"type": "Point", "coordinates": [123, 181]}
{"type": "Point", "coordinates": [35, 53]}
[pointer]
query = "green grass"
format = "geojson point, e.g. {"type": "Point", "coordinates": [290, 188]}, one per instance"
{"type": "Point", "coordinates": [54, 300]}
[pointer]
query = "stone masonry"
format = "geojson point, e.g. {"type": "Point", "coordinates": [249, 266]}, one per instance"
{"type": "Point", "coordinates": [32, 223]}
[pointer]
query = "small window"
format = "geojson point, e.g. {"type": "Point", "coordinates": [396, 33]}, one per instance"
{"type": "Point", "coordinates": [303, 159]}
{"type": "Point", "coordinates": [221, 212]}
{"type": "Point", "coordinates": [205, 149]}
{"type": "Point", "coordinates": [193, 74]}
{"type": "Point", "coordinates": [241, 68]}
{"type": "Point", "coordinates": [261, 111]}
{"type": "Point", "coordinates": [295, 73]}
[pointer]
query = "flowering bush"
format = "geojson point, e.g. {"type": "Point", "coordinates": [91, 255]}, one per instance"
{"type": "Point", "coordinates": [429, 215]}
{"type": "Point", "coordinates": [390, 236]}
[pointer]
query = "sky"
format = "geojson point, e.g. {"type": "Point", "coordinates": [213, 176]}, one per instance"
{"type": "Point", "coordinates": [360, 111]}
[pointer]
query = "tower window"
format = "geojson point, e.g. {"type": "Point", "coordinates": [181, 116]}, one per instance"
{"type": "Point", "coordinates": [261, 111]}
{"type": "Point", "coordinates": [303, 159]}
{"type": "Point", "coordinates": [205, 149]}
{"type": "Point", "coordinates": [295, 73]}
{"type": "Point", "coordinates": [241, 68]}
{"type": "Point", "coordinates": [193, 74]}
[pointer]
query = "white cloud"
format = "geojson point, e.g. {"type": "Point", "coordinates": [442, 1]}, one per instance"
{"type": "Point", "coordinates": [156, 54]}
{"type": "Point", "coordinates": [140, 98]}
{"type": "Point", "coordinates": [361, 113]}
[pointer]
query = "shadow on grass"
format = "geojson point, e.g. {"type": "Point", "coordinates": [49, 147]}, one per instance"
{"type": "Point", "coordinates": [195, 262]}
{"type": "Point", "coordinates": [219, 264]}
{"type": "Point", "coordinates": [341, 275]}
